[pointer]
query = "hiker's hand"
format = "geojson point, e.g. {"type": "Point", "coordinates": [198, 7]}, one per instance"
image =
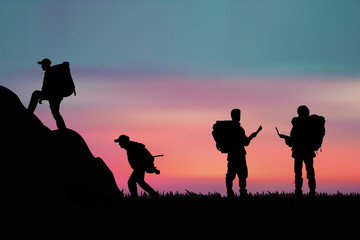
{"type": "Point", "coordinates": [282, 136]}
{"type": "Point", "coordinates": [254, 134]}
{"type": "Point", "coordinates": [259, 129]}
{"type": "Point", "coordinates": [40, 101]}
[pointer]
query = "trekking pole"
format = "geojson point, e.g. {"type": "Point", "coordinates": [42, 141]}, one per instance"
{"type": "Point", "coordinates": [160, 155]}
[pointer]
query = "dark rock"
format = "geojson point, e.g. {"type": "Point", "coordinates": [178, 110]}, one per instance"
{"type": "Point", "coordinates": [41, 166]}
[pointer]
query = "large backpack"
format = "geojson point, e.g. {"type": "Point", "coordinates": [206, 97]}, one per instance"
{"type": "Point", "coordinates": [223, 133]}
{"type": "Point", "coordinates": [312, 131]}
{"type": "Point", "coordinates": [148, 161]}
{"type": "Point", "coordinates": [317, 130]}
{"type": "Point", "coordinates": [61, 79]}
{"type": "Point", "coordinates": [143, 158]}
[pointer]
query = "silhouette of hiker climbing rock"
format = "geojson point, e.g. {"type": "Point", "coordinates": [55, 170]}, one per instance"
{"type": "Point", "coordinates": [43, 167]}
{"type": "Point", "coordinates": [141, 161]}
{"type": "Point", "coordinates": [230, 138]}
{"type": "Point", "coordinates": [305, 138]}
{"type": "Point", "coordinates": [57, 84]}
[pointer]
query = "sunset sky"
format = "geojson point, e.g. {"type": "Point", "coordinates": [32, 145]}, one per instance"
{"type": "Point", "coordinates": [163, 72]}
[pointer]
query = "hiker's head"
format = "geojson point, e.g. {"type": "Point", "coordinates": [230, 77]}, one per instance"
{"type": "Point", "coordinates": [303, 111]}
{"type": "Point", "coordinates": [235, 115]}
{"type": "Point", "coordinates": [45, 64]}
{"type": "Point", "coordinates": [123, 141]}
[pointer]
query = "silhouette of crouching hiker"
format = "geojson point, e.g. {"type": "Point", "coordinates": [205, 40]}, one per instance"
{"type": "Point", "coordinates": [141, 161]}
{"type": "Point", "coordinates": [48, 92]}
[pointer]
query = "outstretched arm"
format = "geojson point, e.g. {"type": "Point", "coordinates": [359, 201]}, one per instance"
{"type": "Point", "coordinates": [287, 138]}
{"type": "Point", "coordinates": [254, 134]}
{"type": "Point", "coordinates": [281, 135]}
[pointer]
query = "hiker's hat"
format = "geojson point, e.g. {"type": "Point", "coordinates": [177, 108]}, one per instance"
{"type": "Point", "coordinates": [122, 138]}
{"type": "Point", "coordinates": [45, 61]}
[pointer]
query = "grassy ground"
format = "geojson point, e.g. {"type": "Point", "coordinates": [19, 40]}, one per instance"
{"type": "Point", "coordinates": [193, 215]}
{"type": "Point", "coordinates": [265, 214]}
{"type": "Point", "coordinates": [271, 211]}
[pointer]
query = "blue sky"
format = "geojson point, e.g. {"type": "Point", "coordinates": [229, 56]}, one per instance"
{"type": "Point", "coordinates": [279, 37]}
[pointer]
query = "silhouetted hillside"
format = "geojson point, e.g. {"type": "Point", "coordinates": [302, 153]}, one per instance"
{"type": "Point", "coordinates": [40, 165]}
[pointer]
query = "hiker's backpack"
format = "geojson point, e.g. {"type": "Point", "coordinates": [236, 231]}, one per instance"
{"type": "Point", "coordinates": [61, 79]}
{"type": "Point", "coordinates": [313, 131]}
{"type": "Point", "coordinates": [317, 125]}
{"type": "Point", "coordinates": [148, 161]}
{"type": "Point", "coordinates": [223, 133]}
{"type": "Point", "coordinates": [141, 157]}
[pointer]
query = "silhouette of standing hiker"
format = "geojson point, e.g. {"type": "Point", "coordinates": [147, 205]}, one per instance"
{"type": "Point", "coordinates": [230, 138]}
{"type": "Point", "coordinates": [141, 161]}
{"type": "Point", "coordinates": [305, 138]}
{"type": "Point", "coordinates": [57, 84]}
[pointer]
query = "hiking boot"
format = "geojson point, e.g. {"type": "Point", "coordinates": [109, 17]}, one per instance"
{"type": "Point", "coordinates": [244, 194]}
{"type": "Point", "coordinates": [155, 195]}
{"type": "Point", "coordinates": [133, 198]}
{"type": "Point", "coordinates": [312, 194]}
{"type": "Point", "coordinates": [298, 193]}
{"type": "Point", "coordinates": [231, 195]}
